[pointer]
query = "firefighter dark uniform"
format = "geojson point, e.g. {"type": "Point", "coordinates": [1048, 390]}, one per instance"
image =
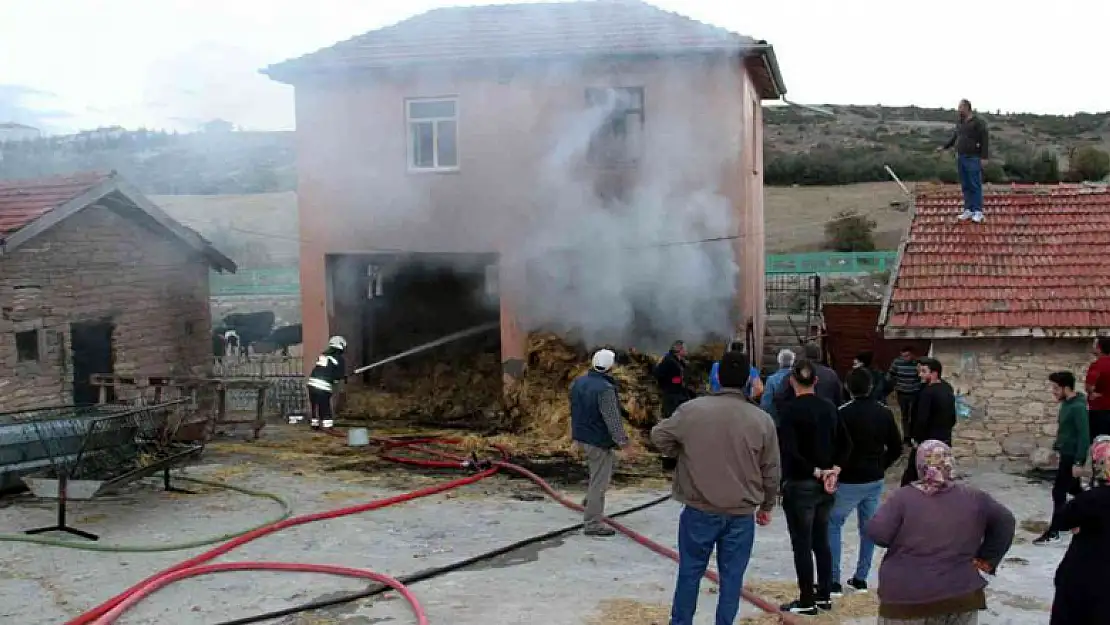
{"type": "Point", "coordinates": [330, 369]}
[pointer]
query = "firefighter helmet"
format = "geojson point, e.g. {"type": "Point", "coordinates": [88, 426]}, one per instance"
{"type": "Point", "coordinates": [337, 342]}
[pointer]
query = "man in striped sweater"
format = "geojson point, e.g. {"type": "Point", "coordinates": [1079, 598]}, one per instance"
{"type": "Point", "coordinates": [907, 384]}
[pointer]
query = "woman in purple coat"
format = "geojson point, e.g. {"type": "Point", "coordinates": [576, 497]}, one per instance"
{"type": "Point", "coordinates": [939, 537]}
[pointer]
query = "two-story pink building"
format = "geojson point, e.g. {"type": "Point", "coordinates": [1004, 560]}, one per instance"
{"type": "Point", "coordinates": [477, 163]}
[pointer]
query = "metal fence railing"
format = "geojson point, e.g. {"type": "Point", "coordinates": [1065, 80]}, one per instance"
{"type": "Point", "coordinates": [830, 263]}
{"type": "Point", "coordinates": [286, 393]}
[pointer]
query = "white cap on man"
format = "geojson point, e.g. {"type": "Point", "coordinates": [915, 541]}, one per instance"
{"type": "Point", "coordinates": [603, 360]}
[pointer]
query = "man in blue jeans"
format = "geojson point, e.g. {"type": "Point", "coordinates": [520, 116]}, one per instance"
{"type": "Point", "coordinates": [972, 142]}
{"type": "Point", "coordinates": [876, 446]}
{"type": "Point", "coordinates": [727, 478]}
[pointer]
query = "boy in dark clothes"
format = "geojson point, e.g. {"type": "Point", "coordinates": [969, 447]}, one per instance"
{"type": "Point", "coordinates": [934, 416]}
{"type": "Point", "coordinates": [815, 445]}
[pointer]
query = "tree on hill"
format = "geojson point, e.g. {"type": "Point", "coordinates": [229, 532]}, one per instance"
{"type": "Point", "coordinates": [1088, 163]}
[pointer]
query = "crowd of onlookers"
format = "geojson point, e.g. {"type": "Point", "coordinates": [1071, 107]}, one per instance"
{"type": "Point", "coordinates": [821, 448]}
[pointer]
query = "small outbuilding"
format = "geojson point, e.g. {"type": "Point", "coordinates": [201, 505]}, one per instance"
{"type": "Point", "coordinates": [1005, 303]}
{"type": "Point", "coordinates": [96, 279]}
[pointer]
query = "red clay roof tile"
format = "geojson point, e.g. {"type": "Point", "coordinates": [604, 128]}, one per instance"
{"type": "Point", "coordinates": [1038, 261]}
{"type": "Point", "coordinates": [24, 201]}
{"type": "Point", "coordinates": [522, 31]}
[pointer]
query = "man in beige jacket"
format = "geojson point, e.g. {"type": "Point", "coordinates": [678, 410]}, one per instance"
{"type": "Point", "coordinates": [727, 478]}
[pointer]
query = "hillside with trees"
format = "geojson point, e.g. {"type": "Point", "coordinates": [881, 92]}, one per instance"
{"type": "Point", "coordinates": [802, 148]}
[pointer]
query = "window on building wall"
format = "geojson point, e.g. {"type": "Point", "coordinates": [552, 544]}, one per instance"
{"type": "Point", "coordinates": [619, 137]}
{"type": "Point", "coordinates": [27, 346]}
{"type": "Point", "coordinates": [374, 281]}
{"type": "Point", "coordinates": [433, 127]}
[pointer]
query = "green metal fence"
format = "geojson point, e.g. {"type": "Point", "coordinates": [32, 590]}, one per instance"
{"type": "Point", "coordinates": [830, 262]}
{"type": "Point", "coordinates": [284, 281]}
{"type": "Point", "coordinates": [287, 281]}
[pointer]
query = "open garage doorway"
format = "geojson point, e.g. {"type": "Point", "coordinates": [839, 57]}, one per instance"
{"type": "Point", "coordinates": [385, 304]}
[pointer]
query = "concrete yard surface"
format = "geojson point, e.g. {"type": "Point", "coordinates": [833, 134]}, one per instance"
{"type": "Point", "coordinates": [565, 581]}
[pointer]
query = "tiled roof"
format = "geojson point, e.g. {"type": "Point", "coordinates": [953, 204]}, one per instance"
{"type": "Point", "coordinates": [1038, 262]}
{"type": "Point", "coordinates": [24, 201]}
{"type": "Point", "coordinates": [600, 27]}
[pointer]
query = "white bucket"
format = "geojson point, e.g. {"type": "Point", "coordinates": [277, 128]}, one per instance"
{"type": "Point", "coordinates": [358, 437]}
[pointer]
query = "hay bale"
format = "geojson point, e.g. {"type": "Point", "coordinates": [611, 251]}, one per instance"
{"type": "Point", "coordinates": [846, 610]}
{"type": "Point", "coordinates": [462, 388]}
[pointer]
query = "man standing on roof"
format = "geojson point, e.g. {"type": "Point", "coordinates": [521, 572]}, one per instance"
{"type": "Point", "coordinates": [972, 143]}
{"type": "Point", "coordinates": [595, 423]}
{"type": "Point", "coordinates": [326, 375]}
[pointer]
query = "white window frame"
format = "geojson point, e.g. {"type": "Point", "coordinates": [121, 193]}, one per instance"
{"type": "Point", "coordinates": [632, 154]}
{"type": "Point", "coordinates": [409, 135]}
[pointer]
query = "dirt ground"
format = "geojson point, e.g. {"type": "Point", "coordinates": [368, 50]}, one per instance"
{"type": "Point", "coordinates": [795, 217]}
{"type": "Point", "coordinates": [588, 580]}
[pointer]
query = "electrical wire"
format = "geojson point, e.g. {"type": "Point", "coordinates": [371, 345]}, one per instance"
{"type": "Point", "coordinates": [415, 578]}
{"type": "Point", "coordinates": [46, 541]}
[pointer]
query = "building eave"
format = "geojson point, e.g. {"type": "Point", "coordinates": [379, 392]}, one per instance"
{"type": "Point", "coordinates": [993, 333]}
{"type": "Point", "coordinates": [100, 192]}
{"type": "Point", "coordinates": [295, 72]}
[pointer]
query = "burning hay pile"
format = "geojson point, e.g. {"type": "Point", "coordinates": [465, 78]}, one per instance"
{"type": "Point", "coordinates": [463, 389]}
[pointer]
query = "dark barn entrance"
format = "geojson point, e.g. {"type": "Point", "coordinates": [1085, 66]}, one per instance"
{"type": "Point", "coordinates": [92, 354]}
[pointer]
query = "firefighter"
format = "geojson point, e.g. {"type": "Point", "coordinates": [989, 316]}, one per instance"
{"type": "Point", "coordinates": [328, 372]}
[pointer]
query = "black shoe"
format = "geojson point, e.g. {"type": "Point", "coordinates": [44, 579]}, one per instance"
{"type": "Point", "coordinates": [797, 607]}
{"type": "Point", "coordinates": [824, 603]}
{"type": "Point", "coordinates": [857, 585]}
{"type": "Point", "coordinates": [601, 530]}
{"type": "Point", "coordinates": [1047, 538]}
{"type": "Point", "coordinates": [836, 590]}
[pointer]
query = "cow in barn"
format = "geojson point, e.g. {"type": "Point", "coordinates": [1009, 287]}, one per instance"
{"type": "Point", "coordinates": [249, 328]}
{"type": "Point", "coordinates": [286, 337]}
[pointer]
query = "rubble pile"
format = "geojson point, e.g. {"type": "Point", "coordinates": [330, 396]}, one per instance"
{"type": "Point", "coordinates": [463, 389]}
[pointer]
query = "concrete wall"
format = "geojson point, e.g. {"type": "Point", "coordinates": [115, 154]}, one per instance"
{"type": "Point", "coordinates": [99, 264]}
{"type": "Point", "coordinates": [1006, 383]}
{"type": "Point", "coordinates": [355, 192]}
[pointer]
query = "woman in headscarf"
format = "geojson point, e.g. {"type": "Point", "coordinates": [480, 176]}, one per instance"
{"type": "Point", "coordinates": [939, 537]}
{"type": "Point", "coordinates": [1081, 597]}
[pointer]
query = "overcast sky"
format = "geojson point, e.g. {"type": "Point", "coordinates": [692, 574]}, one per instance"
{"type": "Point", "coordinates": [69, 64]}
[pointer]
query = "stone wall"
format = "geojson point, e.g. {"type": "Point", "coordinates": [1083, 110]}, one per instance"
{"type": "Point", "coordinates": [1005, 381]}
{"type": "Point", "coordinates": [100, 265]}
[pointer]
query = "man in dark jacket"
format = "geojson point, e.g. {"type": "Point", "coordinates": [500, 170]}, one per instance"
{"type": "Point", "coordinates": [879, 389]}
{"type": "Point", "coordinates": [934, 417]}
{"type": "Point", "coordinates": [972, 143]}
{"type": "Point", "coordinates": [815, 446]}
{"type": "Point", "coordinates": [904, 376]}
{"type": "Point", "coordinates": [595, 422]}
{"type": "Point", "coordinates": [828, 382]}
{"type": "Point", "coordinates": [876, 445]}
{"type": "Point", "coordinates": [670, 373]}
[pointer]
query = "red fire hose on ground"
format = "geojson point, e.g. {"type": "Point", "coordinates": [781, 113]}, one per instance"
{"type": "Point", "coordinates": [111, 610]}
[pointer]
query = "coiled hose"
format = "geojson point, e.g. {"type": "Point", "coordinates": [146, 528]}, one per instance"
{"type": "Point", "coordinates": [109, 611]}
